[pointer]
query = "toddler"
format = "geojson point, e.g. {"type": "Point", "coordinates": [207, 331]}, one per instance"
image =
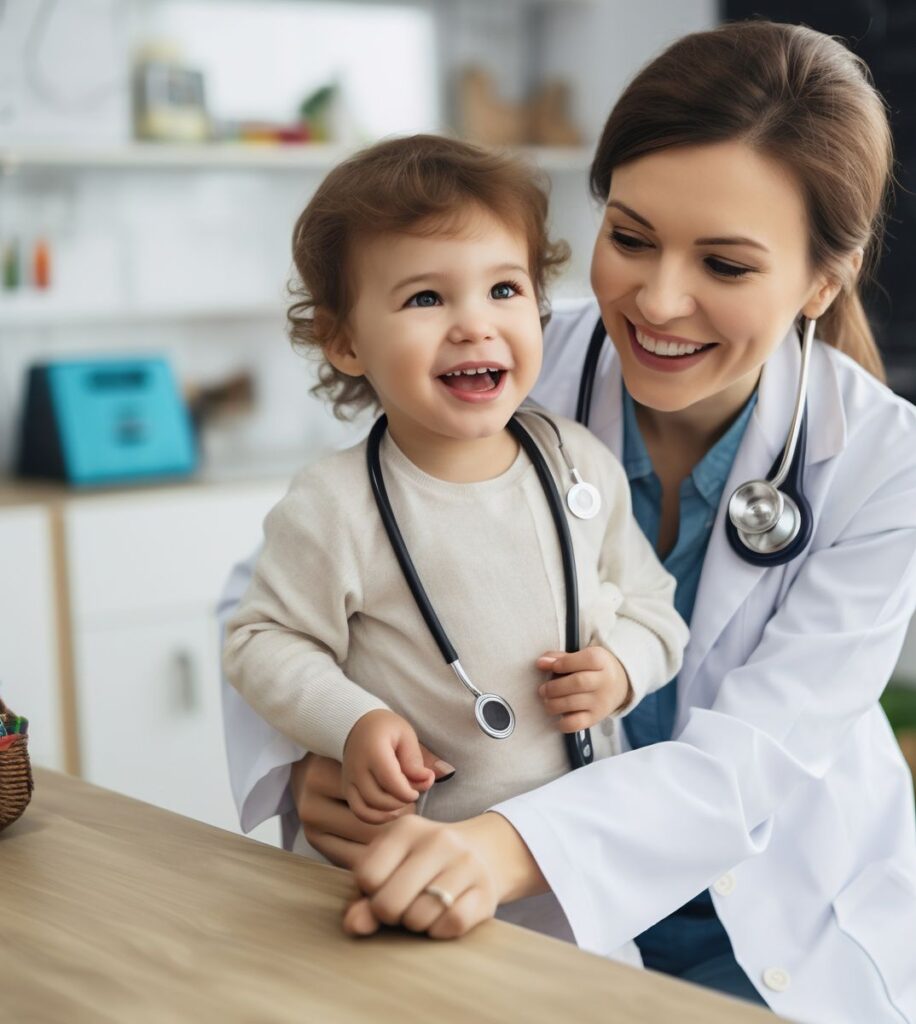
{"type": "Point", "coordinates": [423, 265]}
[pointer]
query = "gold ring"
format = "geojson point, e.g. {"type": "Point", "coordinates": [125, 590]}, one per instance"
{"type": "Point", "coordinates": [443, 896]}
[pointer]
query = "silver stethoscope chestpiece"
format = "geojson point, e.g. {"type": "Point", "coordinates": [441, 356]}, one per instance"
{"type": "Point", "coordinates": [755, 507]}
{"type": "Point", "coordinates": [494, 716]}
{"type": "Point", "coordinates": [767, 520]}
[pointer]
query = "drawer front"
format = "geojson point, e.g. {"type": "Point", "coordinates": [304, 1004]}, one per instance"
{"type": "Point", "coordinates": [149, 715]}
{"type": "Point", "coordinates": [160, 552]}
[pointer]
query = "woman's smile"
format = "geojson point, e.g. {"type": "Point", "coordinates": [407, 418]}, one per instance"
{"type": "Point", "coordinates": [664, 352]}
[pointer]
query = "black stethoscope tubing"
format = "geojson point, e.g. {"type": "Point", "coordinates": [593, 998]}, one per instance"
{"type": "Point", "coordinates": [578, 745]}
{"type": "Point", "coordinates": [792, 486]}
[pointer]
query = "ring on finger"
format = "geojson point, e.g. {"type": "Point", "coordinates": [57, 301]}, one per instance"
{"type": "Point", "coordinates": [442, 895]}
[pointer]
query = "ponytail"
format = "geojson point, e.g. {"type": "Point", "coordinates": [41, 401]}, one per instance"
{"type": "Point", "coordinates": [846, 327]}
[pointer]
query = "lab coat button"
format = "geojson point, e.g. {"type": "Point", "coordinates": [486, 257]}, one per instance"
{"type": "Point", "coordinates": [776, 978]}
{"type": "Point", "coordinates": [725, 885]}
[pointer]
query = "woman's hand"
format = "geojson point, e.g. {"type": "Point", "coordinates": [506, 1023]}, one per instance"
{"type": "Point", "coordinates": [328, 823]}
{"type": "Point", "coordinates": [470, 866]}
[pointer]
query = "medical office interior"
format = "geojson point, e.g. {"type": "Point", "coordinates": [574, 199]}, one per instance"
{"type": "Point", "coordinates": [153, 157]}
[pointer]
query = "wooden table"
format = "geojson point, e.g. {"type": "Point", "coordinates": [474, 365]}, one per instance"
{"type": "Point", "coordinates": [114, 910]}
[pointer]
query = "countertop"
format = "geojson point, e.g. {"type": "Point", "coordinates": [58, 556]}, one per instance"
{"type": "Point", "coordinates": [114, 910]}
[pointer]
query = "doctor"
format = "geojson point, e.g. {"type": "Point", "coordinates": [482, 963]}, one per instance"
{"type": "Point", "coordinates": [759, 837]}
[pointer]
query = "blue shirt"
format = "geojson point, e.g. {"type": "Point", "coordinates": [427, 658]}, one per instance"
{"type": "Point", "coordinates": [692, 934]}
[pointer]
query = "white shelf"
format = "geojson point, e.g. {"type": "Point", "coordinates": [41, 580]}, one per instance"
{"type": "Point", "coordinates": [140, 156]}
{"type": "Point", "coordinates": [164, 156]}
{"type": "Point", "coordinates": [30, 310]}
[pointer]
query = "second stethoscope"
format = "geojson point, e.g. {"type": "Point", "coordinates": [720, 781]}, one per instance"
{"type": "Point", "coordinates": [769, 521]}
{"type": "Point", "coordinates": [493, 713]}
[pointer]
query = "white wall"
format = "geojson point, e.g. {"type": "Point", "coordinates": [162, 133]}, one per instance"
{"type": "Point", "coordinates": [198, 260]}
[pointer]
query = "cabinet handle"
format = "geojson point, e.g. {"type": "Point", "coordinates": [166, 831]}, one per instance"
{"type": "Point", "coordinates": [187, 691]}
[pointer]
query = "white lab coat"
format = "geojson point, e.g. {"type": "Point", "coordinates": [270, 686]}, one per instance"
{"type": "Point", "coordinates": [783, 789]}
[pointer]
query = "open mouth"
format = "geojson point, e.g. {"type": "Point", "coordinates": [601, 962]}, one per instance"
{"type": "Point", "coordinates": [476, 381]}
{"type": "Point", "coordinates": [664, 353]}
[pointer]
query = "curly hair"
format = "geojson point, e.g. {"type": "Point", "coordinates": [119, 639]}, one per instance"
{"type": "Point", "coordinates": [418, 184]}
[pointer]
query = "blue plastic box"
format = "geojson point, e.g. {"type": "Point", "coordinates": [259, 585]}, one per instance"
{"type": "Point", "coordinates": [103, 421]}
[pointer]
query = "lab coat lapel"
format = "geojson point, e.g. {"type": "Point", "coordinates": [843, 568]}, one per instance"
{"type": "Point", "coordinates": [727, 580]}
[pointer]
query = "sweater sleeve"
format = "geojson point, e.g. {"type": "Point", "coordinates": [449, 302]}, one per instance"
{"type": "Point", "coordinates": [289, 636]}
{"type": "Point", "coordinates": [636, 620]}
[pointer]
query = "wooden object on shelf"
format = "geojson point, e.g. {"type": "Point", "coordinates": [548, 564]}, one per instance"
{"type": "Point", "coordinates": [487, 119]}
{"type": "Point", "coordinates": [121, 911]}
{"type": "Point", "coordinates": [544, 120]}
{"type": "Point", "coordinates": [551, 122]}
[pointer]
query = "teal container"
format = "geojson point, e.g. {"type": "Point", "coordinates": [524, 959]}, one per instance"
{"type": "Point", "coordinates": [105, 421]}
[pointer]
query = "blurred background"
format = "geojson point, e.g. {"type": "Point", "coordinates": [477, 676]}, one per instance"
{"type": "Point", "coordinates": [154, 155]}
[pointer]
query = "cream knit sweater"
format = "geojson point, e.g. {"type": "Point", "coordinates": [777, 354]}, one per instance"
{"type": "Point", "coordinates": [328, 629]}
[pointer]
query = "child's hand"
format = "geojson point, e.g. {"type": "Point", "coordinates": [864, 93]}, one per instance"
{"type": "Point", "coordinates": [383, 767]}
{"type": "Point", "coordinates": [588, 686]}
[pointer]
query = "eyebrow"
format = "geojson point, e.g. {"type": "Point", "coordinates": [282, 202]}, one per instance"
{"type": "Point", "coordinates": [433, 276]}
{"type": "Point", "coordinates": [721, 240]}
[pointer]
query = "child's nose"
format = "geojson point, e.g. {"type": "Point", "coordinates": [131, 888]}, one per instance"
{"type": "Point", "coordinates": [471, 327]}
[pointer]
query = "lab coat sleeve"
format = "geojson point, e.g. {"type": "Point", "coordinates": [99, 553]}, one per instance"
{"type": "Point", "coordinates": [625, 841]}
{"type": "Point", "coordinates": [259, 757]}
{"type": "Point", "coordinates": [288, 638]}
{"type": "Point", "coordinates": [635, 617]}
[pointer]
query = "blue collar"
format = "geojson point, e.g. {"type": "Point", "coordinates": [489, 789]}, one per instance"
{"type": "Point", "coordinates": [709, 474]}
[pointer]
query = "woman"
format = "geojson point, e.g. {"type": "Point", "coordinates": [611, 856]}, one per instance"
{"type": "Point", "coordinates": [759, 837]}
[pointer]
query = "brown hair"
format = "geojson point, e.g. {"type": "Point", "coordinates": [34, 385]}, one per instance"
{"type": "Point", "coordinates": [417, 185]}
{"type": "Point", "coordinates": [797, 96]}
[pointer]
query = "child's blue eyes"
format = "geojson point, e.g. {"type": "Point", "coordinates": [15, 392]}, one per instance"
{"type": "Point", "coordinates": [428, 299]}
{"type": "Point", "coordinates": [504, 290]}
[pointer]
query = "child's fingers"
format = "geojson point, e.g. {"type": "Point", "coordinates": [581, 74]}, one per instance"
{"type": "Point", "coordinates": [562, 662]}
{"type": "Point", "coordinates": [391, 781]}
{"type": "Point", "coordinates": [363, 811]}
{"type": "Point", "coordinates": [570, 705]}
{"type": "Point", "coordinates": [576, 721]}
{"type": "Point", "coordinates": [410, 758]}
{"type": "Point", "coordinates": [566, 686]}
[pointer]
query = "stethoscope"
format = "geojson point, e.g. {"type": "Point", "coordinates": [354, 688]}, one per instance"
{"type": "Point", "coordinates": [769, 521]}
{"type": "Point", "coordinates": [493, 713]}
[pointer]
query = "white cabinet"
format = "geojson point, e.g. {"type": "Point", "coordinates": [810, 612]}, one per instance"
{"type": "Point", "coordinates": [28, 629]}
{"type": "Point", "coordinates": [149, 714]}
{"type": "Point", "coordinates": [145, 573]}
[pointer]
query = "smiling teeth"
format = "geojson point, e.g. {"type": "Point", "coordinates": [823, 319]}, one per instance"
{"type": "Point", "coordinates": [472, 372]}
{"type": "Point", "coordinates": [665, 348]}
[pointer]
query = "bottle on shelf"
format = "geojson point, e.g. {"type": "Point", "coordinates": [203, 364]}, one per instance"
{"type": "Point", "coordinates": [12, 276]}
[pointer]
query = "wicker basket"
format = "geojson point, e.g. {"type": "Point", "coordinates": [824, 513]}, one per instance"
{"type": "Point", "coordinates": [15, 775]}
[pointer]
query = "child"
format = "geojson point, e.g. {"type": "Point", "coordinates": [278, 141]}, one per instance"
{"type": "Point", "coordinates": [423, 265]}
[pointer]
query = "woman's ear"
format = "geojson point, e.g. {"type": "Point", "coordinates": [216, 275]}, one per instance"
{"type": "Point", "coordinates": [336, 344]}
{"type": "Point", "coordinates": [819, 302]}
{"type": "Point", "coordinates": [826, 289]}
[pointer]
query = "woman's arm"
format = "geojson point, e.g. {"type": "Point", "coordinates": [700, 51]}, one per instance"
{"type": "Point", "coordinates": [688, 810]}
